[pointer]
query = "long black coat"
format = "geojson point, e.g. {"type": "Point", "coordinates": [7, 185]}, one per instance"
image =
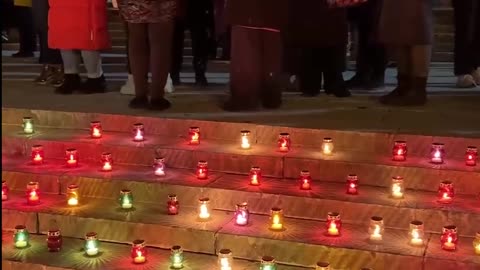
{"type": "Point", "coordinates": [258, 13]}
{"type": "Point", "coordinates": [406, 22]}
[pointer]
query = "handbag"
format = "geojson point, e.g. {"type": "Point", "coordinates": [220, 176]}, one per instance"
{"type": "Point", "coordinates": [344, 3]}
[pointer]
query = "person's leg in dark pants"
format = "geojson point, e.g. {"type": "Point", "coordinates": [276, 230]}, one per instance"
{"type": "Point", "coordinates": [128, 88]}
{"type": "Point", "coordinates": [200, 49]}
{"type": "Point", "coordinates": [177, 50]}
{"type": "Point", "coordinates": [226, 41]}
{"type": "Point", "coordinates": [24, 20]}
{"type": "Point", "coordinates": [310, 72]}
{"type": "Point", "coordinates": [138, 53]}
{"type": "Point", "coordinates": [333, 65]}
{"type": "Point", "coordinates": [272, 53]}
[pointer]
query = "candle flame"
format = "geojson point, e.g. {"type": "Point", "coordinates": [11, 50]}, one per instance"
{"type": "Point", "coordinates": [276, 219]}
{"type": "Point", "coordinates": [415, 234]}
{"type": "Point", "coordinates": [376, 231]}
{"type": "Point", "coordinates": [352, 185]}
{"type": "Point", "coordinates": [333, 225]}
{"type": "Point", "coordinates": [437, 154]}
{"type": "Point", "coordinates": [72, 201]}
{"type": "Point", "coordinates": [449, 239]}
{"type": "Point", "coordinates": [400, 152]}
{"type": "Point", "coordinates": [195, 136]}
{"type": "Point", "coordinates": [224, 264]}
{"type": "Point", "coordinates": [139, 136]}
{"type": "Point", "coordinates": [204, 211]}
{"type": "Point", "coordinates": [245, 142]}
{"type": "Point", "coordinates": [445, 196]}
{"type": "Point", "coordinates": [107, 166]}
{"type": "Point", "coordinates": [37, 157]}
{"type": "Point", "coordinates": [284, 143]}
{"type": "Point", "coordinates": [139, 253]}
{"type": "Point", "coordinates": [96, 132]}
{"type": "Point", "coordinates": [71, 157]}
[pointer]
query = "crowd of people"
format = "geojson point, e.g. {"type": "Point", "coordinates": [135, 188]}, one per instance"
{"type": "Point", "coordinates": [263, 39]}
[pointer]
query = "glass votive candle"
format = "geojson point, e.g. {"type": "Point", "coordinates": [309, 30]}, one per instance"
{"type": "Point", "coordinates": [107, 162]}
{"type": "Point", "coordinates": [72, 195]}
{"type": "Point", "coordinates": [417, 233]}
{"type": "Point", "coordinates": [159, 166]}
{"type": "Point", "coordinates": [327, 146]}
{"type": "Point", "coordinates": [204, 209]}
{"type": "Point", "coordinates": [322, 266]}
{"type": "Point", "coordinates": [176, 257]}
{"type": "Point", "coordinates": [437, 153]}
{"type": "Point", "coordinates": [225, 259]}
{"type": "Point", "coordinates": [471, 156]}
{"type": "Point", "coordinates": [126, 199]}
{"type": "Point", "coordinates": [138, 132]}
{"type": "Point", "coordinates": [245, 137]}
{"type": "Point", "coordinates": [5, 190]}
{"type": "Point", "coordinates": [194, 135]}
{"type": "Point", "coordinates": [38, 155]}
{"type": "Point", "coordinates": [400, 151]}
{"type": "Point", "coordinates": [255, 176]}
{"type": "Point", "coordinates": [202, 169]}
{"type": "Point", "coordinates": [449, 238]}
{"type": "Point", "coordinates": [376, 229]}
{"type": "Point", "coordinates": [33, 193]}
{"type": "Point", "coordinates": [27, 125]}
{"type": "Point", "coordinates": [54, 240]}
{"type": "Point", "coordinates": [397, 187]}
{"type": "Point", "coordinates": [91, 244]}
{"type": "Point", "coordinates": [334, 224]}
{"type": "Point", "coordinates": [352, 184]}
{"type": "Point", "coordinates": [476, 243]}
{"type": "Point", "coordinates": [268, 263]}
{"type": "Point", "coordinates": [173, 205]}
{"type": "Point", "coordinates": [21, 237]}
{"type": "Point", "coordinates": [276, 219]}
{"type": "Point", "coordinates": [95, 129]}
{"type": "Point", "coordinates": [139, 252]}
{"type": "Point", "coordinates": [446, 192]}
{"type": "Point", "coordinates": [242, 215]}
{"type": "Point", "coordinates": [284, 142]}
{"type": "Point", "coordinates": [305, 180]}
{"type": "Point", "coordinates": [71, 157]}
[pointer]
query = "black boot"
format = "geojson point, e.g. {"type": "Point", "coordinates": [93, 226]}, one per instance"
{"type": "Point", "coordinates": [334, 84]}
{"type": "Point", "coordinates": [140, 102]}
{"type": "Point", "coordinates": [70, 84]}
{"type": "Point", "coordinates": [45, 75]}
{"type": "Point", "coordinates": [200, 67]}
{"type": "Point", "coordinates": [94, 85]}
{"type": "Point", "coordinates": [159, 104]}
{"type": "Point", "coordinates": [416, 95]}
{"type": "Point", "coordinates": [403, 85]}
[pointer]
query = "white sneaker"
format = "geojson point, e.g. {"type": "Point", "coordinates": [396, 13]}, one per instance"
{"type": "Point", "coordinates": [476, 76]}
{"type": "Point", "coordinates": [128, 88]}
{"type": "Point", "coordinates": [169, 88]}
{"type": "Point", "coordinates": [465, 81]}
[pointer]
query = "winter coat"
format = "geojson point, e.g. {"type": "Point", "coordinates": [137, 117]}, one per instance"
{"type": "Point", "coordinates": [148, 11]}
{"type": "Point", "coordinates": [78, 24]}
{"type": "Point", "coordinates": [406, 22]}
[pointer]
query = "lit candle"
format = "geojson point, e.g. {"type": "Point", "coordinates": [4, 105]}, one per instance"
{"type": "Point", "coordinates": [71, 156]}
{"type": "Point", "coordinates": [21, 237]}
{"type": "Point", "coordinates": [255, 176]}
{"type": "Point", "coordinates": [159, 166]}
{"type": "Point", "coordinates": [54, 240]}
{"type": "Point", "coordinates": [37, 154]}
{"type": "Point", "coordinates": [194, 135]}
{"type": "Point", "coordinates": [95, 129]}
{"type": "Point", "coordinates": [476, 243]}
{"type": "Point", "coordinates": [322, 266]}
{"type": "Point", "coordinates": [107, 162]}
{"type": "Point", "coordinates": [276, 217]}
{"type": "Point", "coordinates": [268, 263]}
{"type": "Point", "coordinates": [126, 199]}
{"type": "Point", "coordinates": [225, 259]}
{"type": "Point", "coordinates": [27, 125]}
{"type": "Point", "coordinates": [352, 184]}
{"type": "Point", "coordinates": [305, 180]}
{"type": "Point", "coordinates": [202, 169]}
{"type": "Point", "coordinates": [91, 244]}
{"type": "Point", "coordinates": [397, 187]}
{"type": "Point", "coordinates": [437, 153]}
{"type": "Point", "coordinates": [284, 142]}
{"type": "Point", "coordinates": [72, 195]}
{"type": "Point", "coordinates": [446, 192]}
{"type": "Point", "coordinates": [172, 205]}
{"type": "Point", "coordinates": [416, 232]}
{"type": "Point", "coordinates": [327, 146]}
{"type": "Point", "coordinates": [176, 257]}
{"type": "Point", "coordinates": [471, 156]}
{"type": "Point", "coordinates": [204, 208]}
{"type": "Point", "coordinates": [33, 193]}
{"type": "Point", "coordinates": [245, 139]}
{"type": "Point", "coordinates": [400, 151]}
{"type": "Point", "coordinates": [449, 238]}
{"type": "Point", "coordinates": [334, 224]}
{"type": "Point", "coordinates": [242, 214]}
{"type": "Point", "coordinates": [5, 191]}
{"type": "Point", "coordinates": [138, 132]}
{"type": "Point", "coordinates": [139, 252]}
{"type": "Point", "coordinates": [376, 228]}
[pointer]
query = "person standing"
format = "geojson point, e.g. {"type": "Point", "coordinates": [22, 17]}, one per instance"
{"type": "Point", "coordinates": [51, 60]}
{"type": "Point", "coordinates": [23, 20]}
{"type": "Point", "coordinates": [467, 42]}
{"type": "Point", "coordinates": [406, 27]}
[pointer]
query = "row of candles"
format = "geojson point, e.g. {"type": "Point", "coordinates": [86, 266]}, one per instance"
{"type": "Point", "coordinates": [242, 217]}
{"type": "Point", "coordinates": [399, 152]}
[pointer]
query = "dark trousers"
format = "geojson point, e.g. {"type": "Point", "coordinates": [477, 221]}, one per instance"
{"type": "Point", "coordinates": [125, 27]}
{"type": "Point", "coordinates": [150, 46]}
{"type": "Point", "coordinates": [40, 16]}
{"type": "Point", "coordinates": [24, 23]}
{"type": "Point", "coordinates": [467, 35]}
{"type": "Point", "coordinates": [255, 66]}
{"type": "Point", "coordinates": [6, 12]}
{"type": "Point", "coordinates": [371, 59]}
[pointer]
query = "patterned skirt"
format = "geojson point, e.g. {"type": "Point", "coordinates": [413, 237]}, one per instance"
{"type": "Point", "coordinates": [148, 11]}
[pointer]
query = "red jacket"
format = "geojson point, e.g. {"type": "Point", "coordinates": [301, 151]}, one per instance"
{"type": "Point", "coordinates": [78, 24]}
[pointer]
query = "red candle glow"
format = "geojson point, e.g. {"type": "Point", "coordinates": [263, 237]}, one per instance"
{"type": "Point", "coordinates": [202, 169]}
{"type": "Point", "coordinates": [95, 129]}
{"type": "Point", "coordinates": [352, 184]}
{"type": "Point", "coordinates": [194, 135]}
{"type": "Point", "coordinates": [5, 191]}
{"type": "Point", "coordinates": [138, 132]}
{"type": "Point", "coordinates": [172, 205]}
{"type": "Point", "coordinates": [305, 180]}
{"type": "Point", "coordinates": [139, 252]}
{"type": "Point", "coordinates": [446, 192]}
{"type": "Point", "coordinates": [159, 166]}
{"type": "Point", "coordinates": [334, 224]}
{"type": "Point", "coordinates": [284, 142]}
{"type": "Point", "coordinates": [255, 176]}
{"type": "Point", "coordinates": [33, 193]}
{"type": "Point", "coordinates": [54, 240]}
{"type": "Point", "coordinates": [71, 157]}
{"type": "Point", "coordinates": [242, 215]}
{"type": "Point", "coordinates": [449, 238]}
{"type": "Point", "coordinates": [107, 162]}
{"type": "Point", "coordinates": [400, 151]}
{"type": "Point", "coordinates": [437, 153]}
{"type": "Point", "coordinates": [471, 156]}
{"type": "Point", "coordinates": [38, 155]}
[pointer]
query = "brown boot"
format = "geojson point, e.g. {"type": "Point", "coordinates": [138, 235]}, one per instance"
{"type": "Point", "coordinates": [45, 75]}
{"type": "Point", "coordinates": [404, 83]}
{"type": "Point", "coordinates": [416, 95]}
{"type": "Point", "coordinates": [58, 77]}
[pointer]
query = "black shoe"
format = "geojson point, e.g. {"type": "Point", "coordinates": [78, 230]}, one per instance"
{"type": "Point", "coordinates": [23, 55]}
{"type": "Point", "coordinates": [71, 83]}
{"type": "Point", "coordinates": [415, 95]}
{"type": "Point", "coordinates": [175, 79]}
{"type": "Point", "coordinates": [159, 104]}
{"type": "Point", "coordinates": [94, 85]}
{"type": "Point", "coordinates": [201, 81]}
{"type": "Point", "coordinates": [404, 83]}
{"type": "Point", "coordinates": [139, 103]}
{"type": "Point", "coordinates": [45, 75]}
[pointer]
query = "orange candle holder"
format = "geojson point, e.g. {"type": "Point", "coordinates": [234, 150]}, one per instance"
{"type": "Point", "coordinates": [417, 233]}
{"type": "Point", "coordinates": [376, 229]}
{"type": "Point", "coordinates": [397, 188]}
{"type": "Point", "coordinates": [204, 210]}
{"type": "Point", "coordinates": [276, 219]}
{"type": "Point", "coordinates": [327, 146]}
{"type": "Point", "coordinates": [245, 139]}
{"type": "Point", "coordinates": [72, 195]}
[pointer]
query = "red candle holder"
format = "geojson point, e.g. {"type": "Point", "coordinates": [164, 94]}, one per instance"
{"type": "Point", "coordinates": [138, 132]}
{"type": "Point", "coordinates": [400, 151]}
{"type": "Point", "coordinates": [38, 155]}
{"type": "Point", "coordinates": [446, 192]}
{"type": "Point", "coordinates": [71, 157]}
{"type": "Point", "coordinates": [194, 135]}
{"type": "Point", "coordinates": [202, 169]}
{"type": "Point", "coordinates": [95, 129]}
{"type": "Point", "coordinates": [255, 176]}
{"type": "Point", "coordinates": [173, 205]}
{"type": "Point", "coordinates": [139, 252]}
{"type": "Point", "coordinates": [33, 193]}
{"type": "Point", "coordinates": [242, 215]}
{"type": "Point", "coordinates": [471, 156]}
{"type": "Point", "coordinates": [437, 153]}
{"type": "Point", "coordinates": [284, 142]}
{"type": "Point", "coordinates": [54, 240]}
{"type": "Point", "coordinates": [107, 162]}
{"type": "Point", "coordinates": [305, 180]}
{"type": "Point", "coordinates": [449, 238]}
{"type": "Point", "coordinates": [334, 224]}
{"type": "Point", "coordinates": [159, 166]}
{"type": "Point", "coordinates": [5, 191]}
{"type": "Point", "coordinates": [352, 184]}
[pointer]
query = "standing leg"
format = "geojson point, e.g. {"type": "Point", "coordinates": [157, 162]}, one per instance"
{"type": "Point", "coordinates": [403, 57]}
{"type": "Point", "coordinates": [309, 72]}
{"type": "Point", "coordinates": [272, 54]}
{"type": "Point", "coordinates": [464, 66]}
{"type": "Point", "coordinates": [333, 59]}
{"type": "Point", "coordinates": [95, 82]}
{"type": "Point", "coordinates": [71, 63]}
{"type": "Point", "coordinates": [138, 51]}
{"type": "Point", "coordinates": [26, 31]}
{"type": "Point", "coordinates": [128, 88]}
{"type": "Point", "coordinates": [200, 47]}
{"type": "Point", "coordinates": [177, 50]}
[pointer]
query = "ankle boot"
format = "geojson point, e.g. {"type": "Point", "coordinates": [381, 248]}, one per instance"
{"type": "Point", "coordinates": [416, 95]}
{"type": "Point", "coordinates": [94, 85]}
{"type": "Point", "coordinates": [45, 75]}
{"type": "Point", "coordinates": [72, 83]}
{"type": "Point", "coordinates": [403, 84]}
{"type": "Point", "coordinates": [58, 77]}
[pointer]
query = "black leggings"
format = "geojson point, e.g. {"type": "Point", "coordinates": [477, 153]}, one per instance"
{"type": "Point", "coordinates": [150, 44]}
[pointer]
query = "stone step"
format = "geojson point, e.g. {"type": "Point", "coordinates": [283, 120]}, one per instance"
{"type": "Point", "coordinates": [113, 256]}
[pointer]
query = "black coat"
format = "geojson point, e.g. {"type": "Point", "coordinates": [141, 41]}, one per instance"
{"type": "Point", "coordinates": [258, 13]}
